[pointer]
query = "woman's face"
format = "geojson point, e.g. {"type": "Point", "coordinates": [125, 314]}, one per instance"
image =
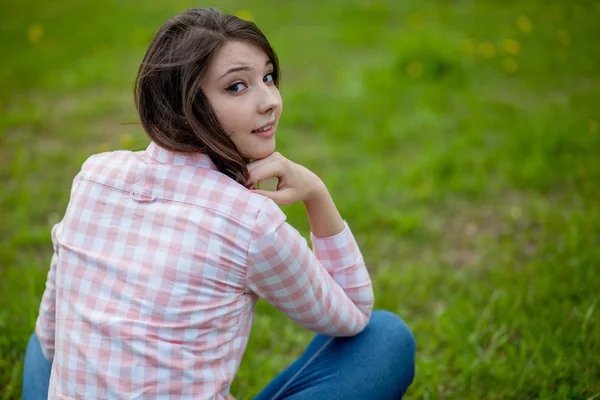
{"type": "Point", "coordinates": [241, 89]}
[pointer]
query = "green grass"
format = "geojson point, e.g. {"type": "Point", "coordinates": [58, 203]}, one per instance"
{"type": "Point", "coordinates": [467, 165]}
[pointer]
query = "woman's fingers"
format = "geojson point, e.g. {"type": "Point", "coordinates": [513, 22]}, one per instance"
{"type": "Point", "coordinates": [294, 181]}
{"type": "Point", "coordinates": [267, 170]}
{"type": "Point", "coordinates": [273, 157]}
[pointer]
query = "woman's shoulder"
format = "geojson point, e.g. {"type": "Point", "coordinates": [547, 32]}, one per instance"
{"type": "Point", "coordinates": [107, 159]}
{"type": "Point", "coordinates": [110, 168]}
{"type": "Point", "coordinates": [243, 204]}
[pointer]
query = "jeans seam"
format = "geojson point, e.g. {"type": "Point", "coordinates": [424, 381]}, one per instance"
{"type": "Point", "coordinates": [303, 367]}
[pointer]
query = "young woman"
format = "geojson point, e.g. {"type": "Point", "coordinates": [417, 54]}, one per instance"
{"type": "Point", "coordinates": [162, 254]}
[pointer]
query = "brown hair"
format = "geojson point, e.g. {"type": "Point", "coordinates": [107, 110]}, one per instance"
{"type": "Point", "coordinates": [173, 109]}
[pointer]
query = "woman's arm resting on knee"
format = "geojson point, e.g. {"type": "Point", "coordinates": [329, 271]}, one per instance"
{"type": "Point", "coordinates": [329, 290]}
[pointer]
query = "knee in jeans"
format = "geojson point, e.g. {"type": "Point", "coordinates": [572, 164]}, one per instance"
{"type": "Point", "coordinates": [391, 329]}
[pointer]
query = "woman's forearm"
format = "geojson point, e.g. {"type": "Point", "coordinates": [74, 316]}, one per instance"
{"type": "Point", "coordinates": [323, 216]}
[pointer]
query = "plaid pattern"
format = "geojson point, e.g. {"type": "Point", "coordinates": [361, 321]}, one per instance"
{"type": "Point", "coordinates": [157, 267]}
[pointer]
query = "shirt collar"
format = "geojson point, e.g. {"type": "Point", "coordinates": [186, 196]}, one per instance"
{"type": "Point", "coordinates": [163, 156]}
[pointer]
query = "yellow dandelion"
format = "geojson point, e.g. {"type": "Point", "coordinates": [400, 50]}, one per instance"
{"type": "Point", "coordinates": [245, 14]}
{"type": "Point", "coordinates": [126, 140]}
{"type": "Point", "coordinates": [487, 50]}
{"type": "Point", "coordinates": [467, 46]}
{"type": "Point", "coordinates": [414, 69]}
{"type": "Point", "coordinates": [564, 37]}
{"type": "Point", "coordinates": [524, 24]}
{"type": "Point", "coordinates": [510, 65]}
{"type": "Point", "coordinates": [511, 46]}
{"type": "Point", "coordinates": [35, 33]}
{"type": "Point", "coordinates": [593, 126]}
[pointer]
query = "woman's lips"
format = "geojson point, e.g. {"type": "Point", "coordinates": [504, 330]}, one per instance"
{"type": "Point", "coordinates": [265, 133]}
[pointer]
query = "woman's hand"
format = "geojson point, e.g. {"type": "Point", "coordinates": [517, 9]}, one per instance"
{"type": "Point", "coordinates": [296, 183]}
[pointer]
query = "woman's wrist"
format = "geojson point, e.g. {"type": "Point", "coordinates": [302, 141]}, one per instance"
{"type": "Point", "coordinates": [318, 192]}
{"type": "Point", "coordinates": [323, 216]}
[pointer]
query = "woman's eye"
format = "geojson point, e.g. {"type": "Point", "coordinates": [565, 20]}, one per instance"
{"type": "Point", "coordinates": [270, 77]}
{"type": "Point", "coordinates": [236, 87]}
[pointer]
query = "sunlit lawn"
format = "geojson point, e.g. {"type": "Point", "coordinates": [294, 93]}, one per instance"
{"type": "Point", "coordinates": [460, 140]}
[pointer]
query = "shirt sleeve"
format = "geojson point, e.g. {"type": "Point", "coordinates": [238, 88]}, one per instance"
{"type": "Point", "coordinates": [327, 291]}
{"type": "Point", "coordinates": [46, 321]}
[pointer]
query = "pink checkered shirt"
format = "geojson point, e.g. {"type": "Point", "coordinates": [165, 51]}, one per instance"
{"type": "Point", "coordinates": [157, 267]}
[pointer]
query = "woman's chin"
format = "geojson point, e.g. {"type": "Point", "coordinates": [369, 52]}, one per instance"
{"type": "Point", "coordinates": [262, 152]}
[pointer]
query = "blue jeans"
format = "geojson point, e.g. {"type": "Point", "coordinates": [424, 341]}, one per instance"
{"type": "Point", "coordinates": [378, 363]}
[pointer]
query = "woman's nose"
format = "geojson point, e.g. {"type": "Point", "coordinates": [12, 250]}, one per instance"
{"type": "Point", "coordinates": [269, 99]}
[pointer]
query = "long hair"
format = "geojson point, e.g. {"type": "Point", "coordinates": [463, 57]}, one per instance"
{"type": "Point", "coordinates": [173, 109]}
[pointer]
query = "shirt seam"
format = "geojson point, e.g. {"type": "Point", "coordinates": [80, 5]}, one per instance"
{"type": "Point", "coordinates": [177, 201]}
{"type": "Point", "coordinates": [252, 230]}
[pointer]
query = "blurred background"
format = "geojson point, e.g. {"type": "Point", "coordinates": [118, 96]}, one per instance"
{"type": "Point", "coordinates": [460, 140]}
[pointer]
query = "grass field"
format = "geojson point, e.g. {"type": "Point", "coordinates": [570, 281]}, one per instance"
{"type": "Point", "coordinates": [461, 141]}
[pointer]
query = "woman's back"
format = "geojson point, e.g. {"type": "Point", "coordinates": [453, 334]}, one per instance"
{"type": "Point", "coordinates": [150, 277]}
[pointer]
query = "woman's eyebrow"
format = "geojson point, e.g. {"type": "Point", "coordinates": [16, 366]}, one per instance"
{"type": "Point", "coordinates": [236, 69]}
{"type": "Point", "coordinates": [241, 68]}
